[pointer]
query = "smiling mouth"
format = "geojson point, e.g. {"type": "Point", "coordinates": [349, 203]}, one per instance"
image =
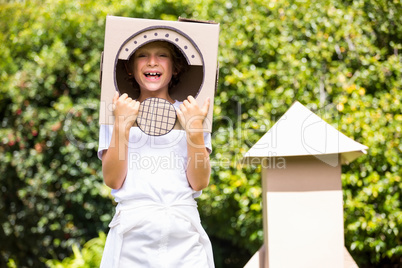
{"type": "Point", "coordinates": [152, 75]}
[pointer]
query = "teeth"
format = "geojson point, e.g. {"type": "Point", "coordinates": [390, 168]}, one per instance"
{"type": "Point", "coordinates": [153, 74]}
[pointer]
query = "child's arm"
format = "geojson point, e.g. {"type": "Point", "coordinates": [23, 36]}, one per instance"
{"type": "Point", "coordinates": [114, 160]}
{"type": "Point", "coordinates": [191, 117]}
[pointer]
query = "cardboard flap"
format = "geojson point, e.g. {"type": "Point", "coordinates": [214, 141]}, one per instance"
{"type": "Point", "coordinates": [196, 21]}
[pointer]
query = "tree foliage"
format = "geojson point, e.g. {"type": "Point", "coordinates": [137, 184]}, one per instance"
{"type": "Point", "coordinates": [51, 192]}
{"type": "Point", "coordinates": [89, 256]}
{"type": "Point", "coordinates": [343, 59]}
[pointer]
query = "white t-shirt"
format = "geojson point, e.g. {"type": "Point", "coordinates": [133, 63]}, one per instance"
{"type": "Point", "coordinates": [156, 165]}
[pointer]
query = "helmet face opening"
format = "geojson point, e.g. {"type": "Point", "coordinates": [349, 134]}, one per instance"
{"type": "Point", "coordinates": [189, 82]}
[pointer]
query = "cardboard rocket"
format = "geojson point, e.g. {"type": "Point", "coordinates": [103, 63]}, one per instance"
{"type": "Point", "coordinates": [196, 40]}
{"type": "Point", "coordinates": [301, 158]}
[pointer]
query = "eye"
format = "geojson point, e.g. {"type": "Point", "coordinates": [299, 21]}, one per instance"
{"type": "Point", "coordinates": [140, 54]}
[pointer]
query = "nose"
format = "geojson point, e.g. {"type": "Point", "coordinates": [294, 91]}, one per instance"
{"type": "Point", "coordinates": [152, 60]}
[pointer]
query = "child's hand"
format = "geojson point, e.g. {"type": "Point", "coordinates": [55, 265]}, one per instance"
{"type": "Point", "coordinates": [125, 109]}
{"type": "Point", "coordinates": [191, 116]}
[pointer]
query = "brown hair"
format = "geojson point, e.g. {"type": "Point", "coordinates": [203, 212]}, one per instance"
{"type": "Point", "coordinates": [180, 66]}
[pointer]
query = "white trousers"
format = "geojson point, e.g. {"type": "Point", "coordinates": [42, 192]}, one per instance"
{"type": "Point", "coordinates": [148, 234]}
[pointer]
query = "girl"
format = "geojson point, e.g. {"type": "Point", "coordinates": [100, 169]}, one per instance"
{"type": "Point", "coordinates": [155, 179]}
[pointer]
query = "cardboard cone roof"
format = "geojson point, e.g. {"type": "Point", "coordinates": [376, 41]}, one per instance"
{"type": "Point", "coordinates": [300, 132]}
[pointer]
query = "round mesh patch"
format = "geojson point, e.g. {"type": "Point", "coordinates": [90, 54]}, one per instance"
{"type": "Point", "coordinates": [156, 116]}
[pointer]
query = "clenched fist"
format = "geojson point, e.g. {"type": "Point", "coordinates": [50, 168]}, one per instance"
{"type": "Point", "coordinates": [191, 116]}
{"type": "Point", "coordinates": [125, 109]}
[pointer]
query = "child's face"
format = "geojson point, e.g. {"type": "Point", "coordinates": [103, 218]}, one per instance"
{"type": "Point", "coordinates": [153, 67]}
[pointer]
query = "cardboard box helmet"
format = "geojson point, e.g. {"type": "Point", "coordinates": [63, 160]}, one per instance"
{"type": "Point", "coordinates": [196, 42]}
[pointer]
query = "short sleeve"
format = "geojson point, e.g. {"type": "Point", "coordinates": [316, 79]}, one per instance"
{"type": "Point", "coordinates": [207, 141]}
{"type": "Point", "coordinates": [105, 136]}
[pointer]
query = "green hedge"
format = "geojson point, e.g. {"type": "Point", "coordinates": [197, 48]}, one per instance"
{"type": "Point", "coordinates": [343, 59]}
